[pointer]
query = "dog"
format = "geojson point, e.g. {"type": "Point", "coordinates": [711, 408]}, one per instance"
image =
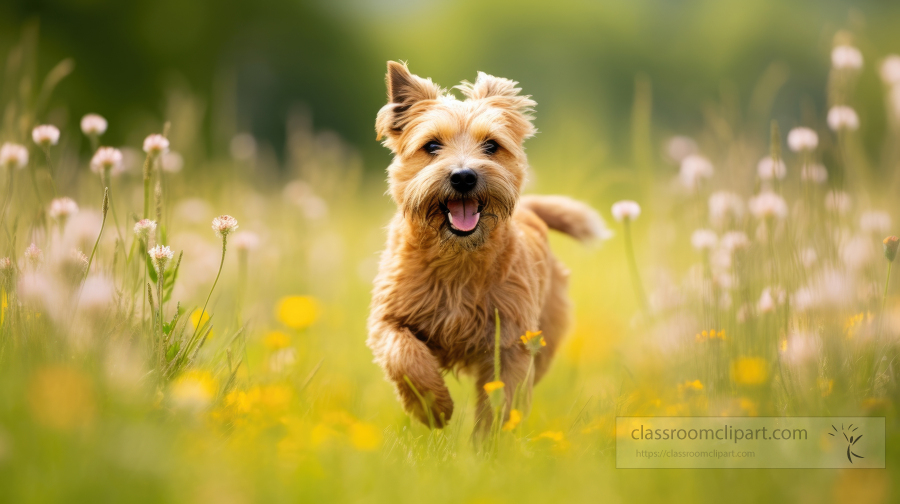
{"type": "Point", "coordinates": [463, 243]}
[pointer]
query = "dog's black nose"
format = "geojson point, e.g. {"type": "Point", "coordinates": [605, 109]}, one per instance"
{"type": "Point", "coordinates": [463, 180]}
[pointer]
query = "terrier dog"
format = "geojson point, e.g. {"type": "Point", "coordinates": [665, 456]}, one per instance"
{"type": "Point", "coordinates": [464, 243]}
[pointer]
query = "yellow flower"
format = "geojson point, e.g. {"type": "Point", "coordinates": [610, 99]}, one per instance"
{"type": "Point", "coordinates": [749, 406]}
{"type": "Point", "coordinates": [492, 386]}
{"type": "Point", "coordinates": [297, 312]}
{"type": "Point", "coordinates": [749, 370]}
{"type": "Point", "coordinates": [276, 340]}
{"type": "Point", "coordinates": [825, 386]}
{"type": "Point", "coordinates": [690, 385]}
{"type": "Point", "coordinates": [551, 435]}
{"type": "Point", "coordinates": [364, 436]}
{"type": "Point", "coordinates": [195, 319]}
{"type": "Point", "coordinates": [193, 390]}
{"type": "Point", "coordinates": [515, 416]}
{"type": "Point", "coordinates": [533, 341]}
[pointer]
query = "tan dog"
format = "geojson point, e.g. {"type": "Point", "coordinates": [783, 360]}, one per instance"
{"type": "Point", "coordinates": [463, 243]}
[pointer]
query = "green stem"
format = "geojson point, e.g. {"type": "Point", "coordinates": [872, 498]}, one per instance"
{"type": "Point", "coordinates": [203, 311]}
{"type": "Point", "coordinates": [147, 166]}
{"type": "Point", "coordinates": [635, 275]}
{"type": "Point", "coordinates": [496, 344]}
{"type": "Point", "coordinates": [887, 282]}
{"type": "Point", "coordinates": [97, 243]}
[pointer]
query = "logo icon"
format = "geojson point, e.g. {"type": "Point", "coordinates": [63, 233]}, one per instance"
{"type": "Point", "coordinates": [851, 440]}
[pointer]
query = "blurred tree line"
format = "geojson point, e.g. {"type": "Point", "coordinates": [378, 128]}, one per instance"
{"type": "Point", "coordinates": [249, 63]}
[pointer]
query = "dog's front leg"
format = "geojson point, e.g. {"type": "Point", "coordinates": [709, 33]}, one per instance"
{"type": "Point", "coordinates": [415, 372]}
{"type": "Point", "coordinates": [514, 362]}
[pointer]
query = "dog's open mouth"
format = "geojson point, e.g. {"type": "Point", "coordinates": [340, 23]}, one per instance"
{"type": "Point", "coordinates": [463, 215]}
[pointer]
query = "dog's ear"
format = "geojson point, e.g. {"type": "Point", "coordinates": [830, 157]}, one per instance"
{"type": "Point", "coordinates": [503, 93]}
{"type": "Point", "coordinates": [405, 92]}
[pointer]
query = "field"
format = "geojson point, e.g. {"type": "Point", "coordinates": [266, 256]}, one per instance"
{"type": "Point", "coordinates": [232, 366]}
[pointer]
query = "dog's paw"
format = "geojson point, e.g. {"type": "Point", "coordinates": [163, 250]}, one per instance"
{"type": "Point", "coordinates": [436, 410]}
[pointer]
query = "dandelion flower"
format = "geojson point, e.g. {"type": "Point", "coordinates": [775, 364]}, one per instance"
{"type": "Point", "coordinates": [245, 240]}
{"type": "Point", "coordinates": [107, 159]}
{"type": "Point", "coordinates": [890, 70]}
{"type": "Point", "coordinates": [749, 371]}
{"type": "Point", "coordinates": [533, 341]}
{"type": "Point", "coordinates": [814, 173]}
{"type": "Point", "coordinates": [13, 156]}
{"type": "Point", "coordinates": [160, 256]}
{"type": "Point", "coordinates": [156, 145]}
{"type": "Point", "coordinates": [276, 340]}
{"type": "Point", "coordinates": [224, 225]}
{"type": "Point", "coordinates": [45, 135]}
{"type": "Point", "coordinates": [34, 255]}
{"type": "Point", "coordinates": [62, 208]}
{"type": "Point", "coordinates": [704, 239]}
{"type": "Point", "coordinates": [93, 125]}
{"type": "Point", "coordinates": [693, 169]}
{"type": "Point", "coordinates": [845, 57]}
{"type": "Point", "coordinates": [802, 139]}
{"type": "Point", "coordinates": [297, 312]}
{"type": "Point", "coordinates": [515, 416]}
{"type": "Point", "coordinates": [364, 436]}
{"type": "Point", "coordinates": [875, 221]}
{"type": "Point", "coordinates": [626, 210]}
{"type": "Point", "coordinates": [494, 385]}
{"type": "Point", "coordinates": [842, 118]}
{"type": "Point", "coordinates": [767, 205]}
{"type": "Point", "coordinates": [193, 391]}
{"type": "Point", "coordinates": [144, 228]}
{"type": "Point", "coordinates": [769, 168]}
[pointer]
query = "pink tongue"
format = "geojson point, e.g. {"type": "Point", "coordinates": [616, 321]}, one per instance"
{"type": "Point", "coordinates": [463, 214]}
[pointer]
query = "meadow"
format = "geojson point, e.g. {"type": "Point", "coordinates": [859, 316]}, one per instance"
{"type": "Point", "coordinates": [188, 326]}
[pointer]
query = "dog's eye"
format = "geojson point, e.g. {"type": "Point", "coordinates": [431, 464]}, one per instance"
{"type": "Point", "coordinates": [432, 147]}
{"type": "Point", "coordinates": [490, 147]}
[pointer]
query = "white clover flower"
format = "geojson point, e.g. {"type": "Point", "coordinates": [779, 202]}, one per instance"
{"type": "Point", "coordinates": [769, 299]}
{"type": "Point", "coordinates": [724, 205]}
{"type": "Point", "coordinates": [156, 145]}
{"type": "Point", "coordinates": [160, 256]}
{"type": "Point", "coordinates": [245, 240]}
{"type": "Point", "coordinates": [34, 255]}
{"type": "Point", "coordinates": [769, 169]}
{"type": "Point", "coordinates": [704, 239]}
{"type": "Point", "coordinates": [808, 257]}
{"type": "Point", "coordinates": [838, 201]}
{"type": "Point", "coordinates": [171, 162]}
{"type": "Point", "coordinates": [224, 225]}
{"type": "Point", "coordinates": [802, 139]}
{"type": "Point", "coordinates": [62, 208]}
{"type": "Point", "coordinates": [841, 117]}
{"type": "Point", "coordinates": [890, 70]}
{"type": "Point", "coordinates": [734, 240]}
{"type": "Point", "coordinates": [45, 135]}
{"type": "Point", "coordinates": [875, 221]}
{"type": "Point", "coordinates": [79, 258]}
{"type": "Point", "coordinates": [768, 204]}
{"type": "Point", "coordinates": [93, 125]}
{"type": "Point", "coordinates": [694, 168]}
{"type": "Point", "coordinates": [814, 173]}
{"type": "Point", "coordinates": [857, 252]}
{"type": "Point", "coordinates": [845, 57]}
{"type": "Point", "coordinates": [626, 210]}
{"type": "Point", "coordinates": [680, 147]}
{"type": "Point", "coordinates": [6, 265]}
{"type": "Point", "coordinates": [107, 159]}
{"type": "Point", "coordinates": [144, 228]}
{"type": "Point", "coordinates": [13, 156]}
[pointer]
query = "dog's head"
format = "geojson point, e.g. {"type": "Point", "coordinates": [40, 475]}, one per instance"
{"type": "Point", "coordinates": [458, 165]}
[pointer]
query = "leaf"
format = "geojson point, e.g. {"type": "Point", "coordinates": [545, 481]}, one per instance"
{"type": "Point", "coordinates": [151, 270]}
{"type": "Point", "coordinates": [172, 351]}
{"type": "Point", "coordinates": [858, 438]}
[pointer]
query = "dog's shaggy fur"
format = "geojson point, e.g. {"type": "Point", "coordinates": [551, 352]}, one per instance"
{"type": "Point", "coordinates": [435, 294]}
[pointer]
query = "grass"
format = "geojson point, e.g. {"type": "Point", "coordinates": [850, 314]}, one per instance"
{"type": "Point", "coordinates": [266, 392]}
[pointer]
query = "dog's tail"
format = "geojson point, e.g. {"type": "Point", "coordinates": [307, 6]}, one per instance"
{"type": "Point", "coordinates": [569, 216]}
